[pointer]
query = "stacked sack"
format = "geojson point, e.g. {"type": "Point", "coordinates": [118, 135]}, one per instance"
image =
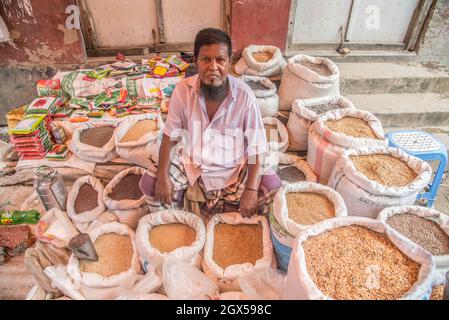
{"type": "Point", "coordinates": [262, 61]}
{"type": "Point", "coordinates": [308, 77]}
{"type": "Point", "coordinates": [371, 179]}
{"type": "Point", "coordinates": [297, 206]}
{"type": "Point", "coordinates": [351, 129]}
{"type": "Point", "coordinates": [265, 92]}
{"type": "Point", "coordinates": [307, 111]}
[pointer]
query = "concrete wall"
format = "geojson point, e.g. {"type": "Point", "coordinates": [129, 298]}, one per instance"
{"type": "Point", "coordinates": [41, 44]}
{"type": "Point", "coordinates": [259, 22]}
{"type": "Point", "coordinates": [435, 42]}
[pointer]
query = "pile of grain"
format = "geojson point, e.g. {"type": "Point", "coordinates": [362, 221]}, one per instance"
{"type": "Point", "coordinates": [237, 244]}
{"type": "Point", "coordinates": [437, 293]}
{"type": "Point", "coordinates": [272, 133]}
{"type": "Point", "coordinates": [309, 208]}
{"type": "Point", "coordinates": [262, 56]}
{"type": "Point", "coordinates": [114, 255]}
{"type": "Point", "coordinates": [322, 108]}
{"type": "Point", "coordinates": [97, 137]}
{"type": "Point", "coordinates": [256, 85]}
{"type": "Point", "coordinates": [87, 199]}
{"type": "Point", "coordinates": [354, 262]}
{"type": "Point", "coordinates": [168, 237]}
{"type": "Point", "coordinates": [424, 232]}
{"type": "Point", "coordinates": [384, 169]}
{"type": "Point", "coordinates": [291, 174]}
{"type": "Point", "coordinates": [321, 68]}
{"type": "Point", "coordinates": [351, 126]}
{"type": "Point", "coordinates": [127, 188]}
{"type": "Point", "coordinates": [139, 129]}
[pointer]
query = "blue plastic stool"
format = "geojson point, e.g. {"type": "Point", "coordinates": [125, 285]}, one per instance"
{"type": "Point", "coordinates": [424, 146]}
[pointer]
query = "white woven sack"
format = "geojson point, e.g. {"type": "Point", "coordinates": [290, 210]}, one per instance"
{"type": "Point", "coordinates": [365, 197]}
{"type": "Point", "coordinates": [325, 146]}
{"type": "Point", "coordinates": [283, 134]}
{"type": "Point", "coordinates": [91, 153]}
{"type": "Point", "coordinates": [302, 116]}
{"type": "Point", "coordinates": [96, 286]}
{"type": "Point", "coordinates": [127, 211]}
{"type": "Point", "coordinates": [151, 256]}
{"type": "Point", "coordinates": [300, 82]}
{"type": "Point", "coordinates": [267, 99]}
{"type": "Point", "coordinates": [300, 286]}
{"type": "Point", "coordinates": [442, 261]}
{"type": "Point", "coordinates": [227, 278]}
{"type": "Point", "coordinates": [144, 151]}
{"type": "Point", "coordinates": [248, 65]}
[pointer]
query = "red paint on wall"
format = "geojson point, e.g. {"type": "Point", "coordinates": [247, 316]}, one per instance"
{"type": "Point", "coordinates": [259, 22]}
{"type": "Point", "coordinates": [43, 38]}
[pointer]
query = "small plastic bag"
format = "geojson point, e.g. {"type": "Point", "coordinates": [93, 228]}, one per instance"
{"type": "Point", "coordinates": [185, 282]}
{"type": "Point", "coordinates": [263, 284]}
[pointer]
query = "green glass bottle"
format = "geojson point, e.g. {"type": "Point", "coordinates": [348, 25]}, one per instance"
{"type": "Point", "coordinates": [19, 217]}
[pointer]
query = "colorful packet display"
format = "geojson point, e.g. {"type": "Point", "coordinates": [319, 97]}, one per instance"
{"type": "Point", "coordinates": [44, 105]}
{"type": "Point", "coordinates": [95, 113]}
{"type": "Point", "coordinates": [63, 112]}
{"type": "Point", "coordinates": [79, 103]}
{"type": "Point", "coordinates": [59, 152]}
{"type": "Point", "coordinates": [177, 62]}
{"type": "Point", "coordinates": [31, 137]}
{"type": "Point", "coordinates": [49, 88]}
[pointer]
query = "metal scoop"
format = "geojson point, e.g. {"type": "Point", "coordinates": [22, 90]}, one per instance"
{"type": "Point", "coordinates": [83, 248]}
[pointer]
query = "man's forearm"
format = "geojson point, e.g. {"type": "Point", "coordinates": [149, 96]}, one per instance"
{"type": "Point", "coordinates": [254, 173]}
{"type": "Point", "coordinates": [164, 155]}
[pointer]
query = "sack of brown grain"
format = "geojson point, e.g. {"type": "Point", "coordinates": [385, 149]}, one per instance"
{"type": "Point", "coordinates": [291, 168]}
{"type": "Point", "coordinates": [371, 179]}
{"type": "Point", "coordinates": [265, 92]}
{"type": "Point", "coordinates": [305, 112]}
{"type": "Point", "coordinates": [339, 259]}
{"type": "Point", "coordinates": [338, 130]}
{"type": "Point", "coordinates": [124, 198]}
{"type": "Point", "coordinates": [94, 143]}
{"type": "Point", "coordinates": [425, 227]}
{"type": "Point", "coordinates": [297, 206]}
{"type": "Point", "coordinates": [85, 202]}
{"type": "Point", "coordinates": [138, 138]}
{"type": "Point", "coordinates": [262, 61]}
{"type": "Point", "coordinates": [170, 232]}
{"type": "Point", "coordinates": [276, 133]}
{"type": "Point", "coordinates": [117, 265]}
{"type": "Point", "coordinates": [235, 246]}
{"type": "Point", "coordinates": [308, 77]}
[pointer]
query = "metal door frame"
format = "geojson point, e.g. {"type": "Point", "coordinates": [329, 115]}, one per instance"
{"type": "Point", "coordinates": [412, 36]}
{"type": "Point", "coordinates": [93, 50]}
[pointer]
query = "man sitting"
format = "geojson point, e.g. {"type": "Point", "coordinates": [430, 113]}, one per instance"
{"type": "Point", "coordinates": [214, 143]}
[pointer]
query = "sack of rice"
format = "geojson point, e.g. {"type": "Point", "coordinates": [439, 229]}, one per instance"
{"type": "Point", "coordinates": [291, 168]}
{"type": "Point", "coordinates": [425, 227]}
{"type": "Point", "coordinates": [85, 201]}
{"type": "Point", "coordinates": [356, 258]}
{"type": "Point", "coordinates": [297, 206]}
{"type": "Point", "coordinates": [338, 130]}
{"type": "Point", "coordinates": [265, 92]}
{"type": "Point", "coordinates": [234, 247]}
{"type": "Point", "coordinates": [94, 143]}
{"type": "Point", "coordinates": [308, 77]}
{"type": "Point", "coordinates": [262, 61]}
{"type": "Point", "coordinates": [117, 265]}
{"type": "Point", "coordinates": [276, 133]}
{"type": "Point", "coordinates": [124, 198]}
{"type": "Point", "coordinates": [138, 139]}
{"type": "Point", "coordinates": [170, 232]}
{"type": "Point", "coordinates": [305, 112]}
{"type": "Point", "coordinates": [371, 179]}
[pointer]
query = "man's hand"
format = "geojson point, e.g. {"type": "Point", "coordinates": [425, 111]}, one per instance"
{"type": "Point", "coordinates": [249, 203]}
{"type": "Point", "coordinates": [163, 190]}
